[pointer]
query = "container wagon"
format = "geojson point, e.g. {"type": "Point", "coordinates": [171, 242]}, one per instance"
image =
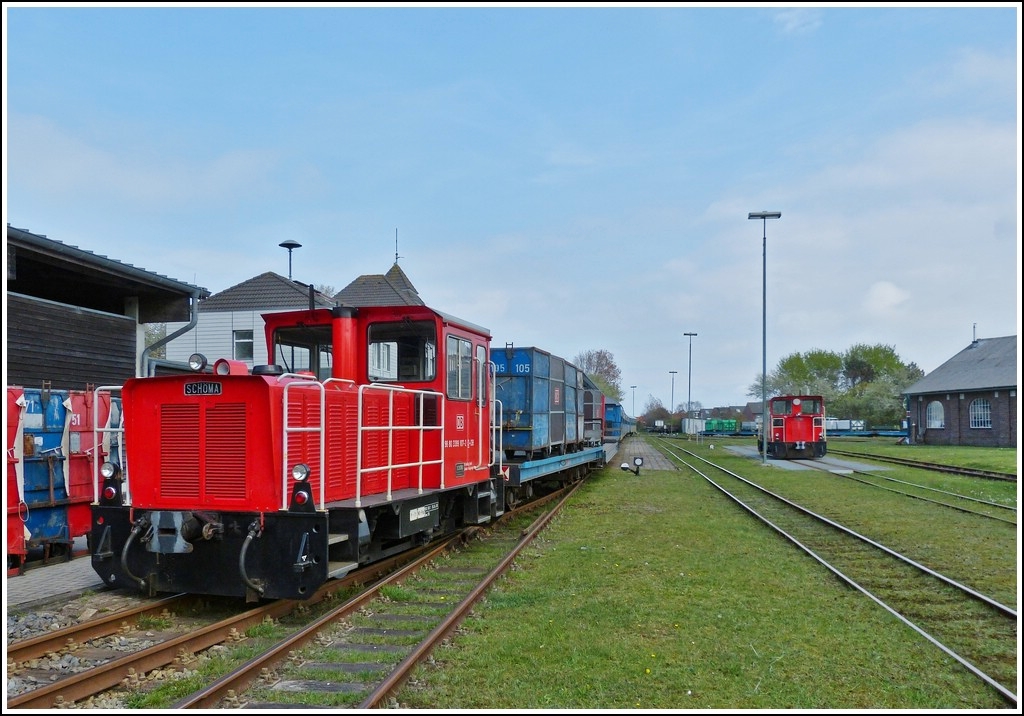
{"type": "Point", "coordinates": [540, 400]}
{"type": "Point", "coordinates": [51, 458]}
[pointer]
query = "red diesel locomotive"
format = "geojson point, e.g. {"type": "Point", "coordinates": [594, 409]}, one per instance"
{"type": "Point", "coordinates": [370, 432]}
{"type": "Point", "coordinates": [797, 427]}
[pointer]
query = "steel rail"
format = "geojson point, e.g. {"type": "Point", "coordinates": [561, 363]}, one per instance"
{"type": "Point", "coordinates": [824, 467]}
{"type": "Point", "coordinates": [952, 469]}
{"type": "Point", "coordinates": [1003, 691]}
{"type": "Point", "coordinates": [37, 646]}
{"type": "Point", "coordinates": [230, 684]}
{"type": "Point", "coordinates": [401, 672]}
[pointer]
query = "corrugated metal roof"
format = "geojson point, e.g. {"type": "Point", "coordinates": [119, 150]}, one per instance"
{"type": "Point", "coordinates": [986, 364]}
{"type": "Point", "coordinates": [267, 292]}
{"type": "Point", "coordinates": [391, 289]}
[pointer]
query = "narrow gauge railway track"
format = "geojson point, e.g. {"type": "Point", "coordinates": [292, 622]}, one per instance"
{"type": "Point", "coordinates": [937, 467]}
{"type": "Point", "coordinates": [72, 665]}
{"type": "Point", "coordinates": [995, 509]}
{"type": "Point", "coordinates": [110, 652]}
{"type": "Point", "coordinates": [53, 642]}
{"type": "Point", "coordinates": [360, 653]}
{"type": "Point", "coordinates": [972, 628]}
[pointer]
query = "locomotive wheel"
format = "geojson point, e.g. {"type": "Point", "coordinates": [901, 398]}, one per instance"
{"type": "Point", "coordinates": [512, 498]}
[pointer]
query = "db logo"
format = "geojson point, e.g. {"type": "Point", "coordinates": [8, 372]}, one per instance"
{"type": "Point", "coordinates": [460, 422]}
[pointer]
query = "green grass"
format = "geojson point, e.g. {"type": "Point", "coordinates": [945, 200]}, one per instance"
{"type": "Point", "coordinates": [154, 623]}
{"type": "Point", "coordinates": [656, 592]}
{"type": "Point", "coordinates": [976, 458]}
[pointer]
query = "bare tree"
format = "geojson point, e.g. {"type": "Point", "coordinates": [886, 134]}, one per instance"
{"type": "Point", "coordinates": [600, 366]}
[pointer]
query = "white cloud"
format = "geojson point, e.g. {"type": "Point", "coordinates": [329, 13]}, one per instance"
{"type": "Point", "coordinates": [52, 160]}
{"type": "Point", "coordinates": [798, 22]}
{"type": "Point", "coordinates": [975, 73]}
{"type": "Point", "coordinates": [884, 297]}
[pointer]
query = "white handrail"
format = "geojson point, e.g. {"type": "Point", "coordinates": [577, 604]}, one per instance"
{"type": "Point", "coordinates": [392, 429]}
{"type": "Point", "coordinates": [496, 430]}
{"type": "Point", "coordinates": [96, 432]}
{"type": "Point", "coordinates": [305, 381]}
{"type": "Point", "coordinates": [493, 404]}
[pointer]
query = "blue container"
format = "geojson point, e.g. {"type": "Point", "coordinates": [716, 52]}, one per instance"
{"type": "Point", "coordinates": [540, 400]}
{"type": "Point", "coordinates": [573, 407]}
{"type": "Point", "coordinates": [613, 422]}
{"type": "Point", "coordinates": [45, 489]}
{"type": "Point", "coordinates": [593, 402]}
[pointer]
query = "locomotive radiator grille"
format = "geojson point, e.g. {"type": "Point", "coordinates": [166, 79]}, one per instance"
{"type": "Point", "coordinates": [388, 451]}
{"type": "Point", "coordinates": [226, 451]}
{"type": "Point", "coordinates": [203, 453]}
{"type": "Point", "coordinates": [179, 451]}
{"type": "Point", "coordinates": [342, 421]}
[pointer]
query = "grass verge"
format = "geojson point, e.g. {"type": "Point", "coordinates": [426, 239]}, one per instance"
{"type": "Point", "coordinates": [657, 592]}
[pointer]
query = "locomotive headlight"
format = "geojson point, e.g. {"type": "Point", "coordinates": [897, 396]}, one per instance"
{"type": "Point", "coordinates": [197, 362]}
{"type": "Point", "coordinates": [109, 470]}
{"type": "Point", "coordinates": [300, 472]}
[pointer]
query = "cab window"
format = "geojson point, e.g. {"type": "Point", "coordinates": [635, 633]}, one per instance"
{"type": "Point", "coordinates": [301, 349]}
{"type": "Point", "coordinates": [404, 352]}
{"type": "Point", "coordinates": [460, 368]}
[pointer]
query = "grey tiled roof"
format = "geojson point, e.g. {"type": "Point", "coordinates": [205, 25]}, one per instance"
{"type": "Point", "coordinates": [267, 292]}
{"type": "Point", "coordinates": [987, 363]}
{"type": "Point", "coordinates": [391, 289]}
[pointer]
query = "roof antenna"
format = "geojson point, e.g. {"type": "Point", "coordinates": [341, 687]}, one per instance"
{"type": "Point", "coordinates": [396, 247]}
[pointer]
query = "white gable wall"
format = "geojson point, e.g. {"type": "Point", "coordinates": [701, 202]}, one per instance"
{"type": "Point", "coordinates": [213, 336]}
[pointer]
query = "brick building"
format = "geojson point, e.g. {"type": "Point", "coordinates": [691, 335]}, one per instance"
{"type": "Point", "coordinates": [971, 399]}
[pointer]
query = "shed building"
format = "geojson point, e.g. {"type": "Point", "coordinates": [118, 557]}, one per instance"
{"type": "Point", "coordinates": [77, 319]}
{"type": "Point", "coordinates": [971, 399]}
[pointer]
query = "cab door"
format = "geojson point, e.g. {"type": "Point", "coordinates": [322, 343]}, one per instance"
{"type": "Point", "coordinates": [467, 413]}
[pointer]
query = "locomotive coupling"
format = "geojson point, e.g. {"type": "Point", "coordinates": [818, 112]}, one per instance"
{"type": "Point", "coordinates": [196, 526]}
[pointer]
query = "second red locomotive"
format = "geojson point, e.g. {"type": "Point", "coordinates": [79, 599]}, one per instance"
{"type": "Point", "coordinates": [796, 427]}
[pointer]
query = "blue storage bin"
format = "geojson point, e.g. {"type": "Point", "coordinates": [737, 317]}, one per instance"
{"type": "Point", "coordinates": [540, 400]}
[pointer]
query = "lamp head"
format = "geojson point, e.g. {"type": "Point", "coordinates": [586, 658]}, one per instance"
{"type": "Point", "coordinates": [637, 461]}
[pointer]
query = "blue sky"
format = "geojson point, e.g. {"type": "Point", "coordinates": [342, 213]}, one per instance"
{"type": "Point", "coordinates": [572, 178]}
